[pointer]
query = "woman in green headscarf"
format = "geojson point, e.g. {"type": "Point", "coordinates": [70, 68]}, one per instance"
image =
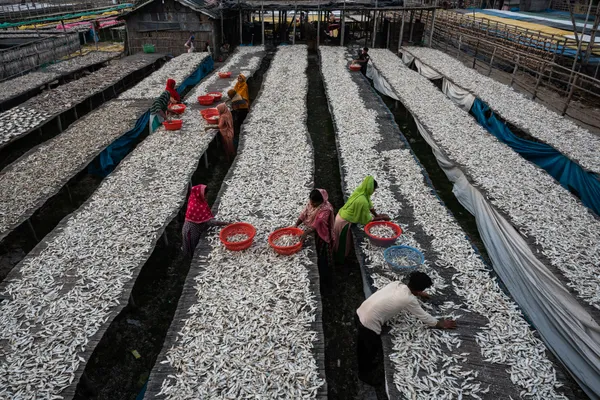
{"type": "Point", "coordinates": [357, 210]}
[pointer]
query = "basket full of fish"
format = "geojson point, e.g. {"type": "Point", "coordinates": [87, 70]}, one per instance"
{"type": "Point", "coordinates": [286, 241]}
{"type": "Point", "coordinates": [383, 233]}
{"type": "Point", "coordinates": [403, 259]}
{"type": "Point", "coordinates": [238, 236]}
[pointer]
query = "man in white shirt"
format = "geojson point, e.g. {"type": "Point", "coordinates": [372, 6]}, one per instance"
{"type": "Point", "coordinates": [382, 306]}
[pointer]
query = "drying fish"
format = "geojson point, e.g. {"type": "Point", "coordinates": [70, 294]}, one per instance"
{"type": "Point", "coordinates": [99, 248]}
{"type": "Point", "coordinates": [40, 109]}
{"type": "Point", "coordinates": [563, 229]}
{"type": "Point", "coordinates": [382, 231]}
{"type": "Point", "coordinates": [429, 364]}
{"type": "Point", "coordinates": [79, 62]}
{"type": "Point", "coordinates": [287, 240]}
{"type": "Point", "coordinates": [263, 304]}
{"type": "Point", "coordinates": [540, 122]}
{"type": "Point", "coordinates": [178, 68]}
{"type": "Point", "coordinates": [240, 237]}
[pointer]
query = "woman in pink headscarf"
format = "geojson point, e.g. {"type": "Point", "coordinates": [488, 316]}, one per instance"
{"type": "Point", "coordinates": [197, 217]}
{"type": "Point", "coordinates": [226, 129]}
{"type": "Point", "coordinates": [318, 217]}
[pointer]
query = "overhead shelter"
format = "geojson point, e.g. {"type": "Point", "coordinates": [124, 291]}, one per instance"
{"type": "Point", "coordinates": [167, 24]}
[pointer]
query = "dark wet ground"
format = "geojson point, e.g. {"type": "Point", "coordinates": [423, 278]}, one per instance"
{"type": "Point", "coordinates": [343, 293]}
{"type": "Point", "coordinates": [113, 371]}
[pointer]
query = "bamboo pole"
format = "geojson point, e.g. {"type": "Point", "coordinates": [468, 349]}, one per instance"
{"type": "Point", "coordinates": [432, 27]}
{"type": "Point", "coordinates": [294, 21]}
{"type": "Point", "coordinates": [412, 25]}
{"type": "Point", "coordinates": [241, 24]}
{"type": "Point", "coordinates": [262, 21]}
{"type": "Point", "coordinates": [374, 24]}
{"type": "Point", "coordinates": [577, 54]}
{"type": "Point", "coordinates": [343, 31]}
{"type": "Point", "coordinates": [401, 35]}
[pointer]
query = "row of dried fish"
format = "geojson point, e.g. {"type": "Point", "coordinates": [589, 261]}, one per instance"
{"type": "Point", "coordinates": [64, 292]}
{"type": "Point", "coordinates": [576, 142]}
{"type": "Point", "coordinates": [38, 110]}
{"type": "Point", "coordinates": [566, 232]}
{"type": "Point", "coordinates": [28, 182]}
{"type": "Point", "coordinates": [247, 333]}
{"type": "Point", "coordinates": [179, 68]}
{"type": "Point", "coordinates": [208, 84]}
{"type": "Point", "coordinates": [429, 364]}
{"type": "Point", "coordinates": [25, 83]}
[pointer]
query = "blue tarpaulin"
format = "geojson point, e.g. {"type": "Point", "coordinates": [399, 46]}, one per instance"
{"type": "Point", "coordinates": [110, 157]}
{"type": "Point", "coordinates": [570, 174]}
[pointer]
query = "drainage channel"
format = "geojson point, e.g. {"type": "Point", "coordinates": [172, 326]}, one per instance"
{"type": "Point", "coordinates": [341, 286]}
{"type": "Point", "coordinates": [121, 363]}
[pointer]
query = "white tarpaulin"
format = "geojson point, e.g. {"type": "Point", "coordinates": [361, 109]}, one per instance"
{"type": "Point", "coordinates": [427, 71]}
{"type": "Point", "coordinates": [460, 96]}
{"type": "Point", "coordinates": [566, 327]}
{"type": "Point", "coordinates": [381, 85]}
{"type": "Point", "coordinates": [407, 59]}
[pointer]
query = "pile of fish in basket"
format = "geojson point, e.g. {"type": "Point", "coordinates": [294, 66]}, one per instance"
{"type": "Point", "coordinates": [240, 236]}
{"type": "Point", "coordinates": [403, 259]}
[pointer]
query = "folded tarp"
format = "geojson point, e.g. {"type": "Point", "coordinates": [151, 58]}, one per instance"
{"type": "Point", "coordinates": [566, 327]}
{"type": "Point", "coordinates": [110, 157]}
{"type": "Point", "coordinates": [571, 175]}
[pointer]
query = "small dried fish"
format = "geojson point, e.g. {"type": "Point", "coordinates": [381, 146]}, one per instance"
{"type": "Point", "coordinates": [287, 240]}
{"type": "Point", "coordinates": [382, 231]}
{"type": "Point", "coordinates": [240, 237]}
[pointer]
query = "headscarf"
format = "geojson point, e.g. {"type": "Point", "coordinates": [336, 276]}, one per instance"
{"type": "Point", "coordinates": [320, 218]}
{"type": "Point", "coordinates": [198, 210]}
{"type": "Point", "coordinates": [237, 101]}
{"type": "Point", "coordinates": [242, 88]}
{"type": "Point", "coordinates": [357, 209]}
{"type": "Point", "coordinates": [171, 89]}
{"type": "Point", "coordinates": [225, 121]}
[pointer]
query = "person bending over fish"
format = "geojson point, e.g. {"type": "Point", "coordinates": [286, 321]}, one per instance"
{"type": "Point", "coordinates": [357, 210]}
{"type": "Point", "coordinates": [160, 106]}
{"type": "Point", "coordinates": [382, 306]}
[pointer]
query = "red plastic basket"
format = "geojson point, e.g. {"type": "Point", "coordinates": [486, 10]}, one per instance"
{"type": "Point", "coordinates": [285, 250]}
{"type": "Point", "coordinates": [224, 75]}
{"type": "Point", "coordinates": [383, 242]}
{"type": "Point", "coordinates": [235, 229]}
{"type": "Point", "coordinates": [209, 112]}
{"type": "Point", "coordinates": [216, 95]}
{"type": "Point", "coordinates": [213, 120]}
{"type": "Point", "coordinates": [205, 100]}
{"type": "Point", "coordinates": [173, 125]}
{"type": "Point", "coordinates": [354, 67]}
{"type": "Point", "coordinates": [177, 108]}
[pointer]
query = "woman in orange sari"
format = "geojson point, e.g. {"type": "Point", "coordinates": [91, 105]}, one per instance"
{"type": "Point", "coordinates": [241, 87]}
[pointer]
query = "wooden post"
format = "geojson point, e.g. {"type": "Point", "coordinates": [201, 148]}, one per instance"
{"type": "Point", "coordinates": [412, 25]}
{"type": "Point", "coordinates": [475, 56]}
{"type": "Point", "coordinates": [374, 24]}
{"type": "Point", "coordinates": [262, 19]}
{"type": "Point", "coordinates": [273, 30]}
{"type": "Point", "coordinates": [318, 23]}
{"type": "Point", "coordinates": [294, 38]}
{"type": "Point", "coordinates": [539, 79]}
{"type": "Point", "coordinates": [401, 35]}
{"type": "Point", "coordinates": [241, 26]}
{"type": "Point", "coordinates": [492, 61]}
{"type": "Point", "coordinates": [459, 43]}
{"type": "Point", "coordinates": [432, 27]}
{"type": "Point", "coordinates": [514, 73]}
{"type": "Point", "coordinates": [343, 31]}
{"type": "Point", "coordinates": [564, 111]}
{"type": "Point", "coordinates": [387, 40]}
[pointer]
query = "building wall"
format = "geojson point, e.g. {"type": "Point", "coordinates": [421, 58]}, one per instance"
{"type": "Point", "coordinates": [167, 26]}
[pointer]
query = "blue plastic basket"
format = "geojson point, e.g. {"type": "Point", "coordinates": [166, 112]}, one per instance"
{"type": "Point", "coordinates": [413, 256]}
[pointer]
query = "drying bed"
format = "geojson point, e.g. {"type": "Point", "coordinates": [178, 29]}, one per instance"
{"type": "Point", "coordinates": [575, 142]}
{"type": "Point", "coordinates": [178, 68]}
{"type": "Point", "coordinates": [560, 229]}
{"type": "Point", "coordinates": [485, 356]}
{"type": "Point", "coordinates": [39, 110]}
{"type": "Point", "coordinates": [60, 299]}
{"type": "Point", "coordinates": [27, 183]}
{"type": "Point", "coordinates": [248, 323]}
{"type": "Point", "coordinates": [21, 85]}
